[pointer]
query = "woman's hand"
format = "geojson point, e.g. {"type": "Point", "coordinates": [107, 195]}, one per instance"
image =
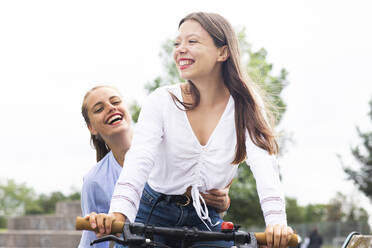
{"type": "Point", "coordinates": [277, 236]}
{"type": "Point", "coordinates": [218, 198]}
{"type": "Point", "coordinates": [103, 222]}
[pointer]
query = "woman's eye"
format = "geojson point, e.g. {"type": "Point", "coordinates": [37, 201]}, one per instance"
{"type": "Point", "coordinates": [98, 110]}
{"type": "Point", "coordinates": [193, 41]}
{"type": "Point", "coordinates": [116, 102]}
{"type": "Point", "coordinates": [176, 44]}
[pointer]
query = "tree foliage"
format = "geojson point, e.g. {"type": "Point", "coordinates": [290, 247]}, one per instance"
{"type": "Point", "coordinates": [46, 203]}
{"type": "Point", "coordinates": [363, 154]}
{"type": "Point", "coordinates": [245, 204]}
{"type": "Point", "coordinates": [260, 71]}
{"type": "Point", "coordinates": [15, 198]}
{"type": "Point", "coordinates": [18, 199]}
{"type": "Point", "coordinates": [342, 208]}
{"type": "Point", "coordinates": [313, 213]}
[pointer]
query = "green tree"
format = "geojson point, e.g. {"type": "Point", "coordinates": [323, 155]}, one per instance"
{"type": "Point", "coordinates": [261, 72]}
{"type": "Point", "coordinates": [334, 210]}
{"type": "Point", "coordinates": [345, 209]}
{"type": "Point", "coordinates": [18, 199]}
{"type": "Point", "coordinates": [3, 222]}
{"type": "Point", "coordinates": [15, 198]}
{"type": "Point", "coordinates": [46, 204]}
{"type": "Point", "coordinates": [363, 154]}
{"type": "Point", "coordinates": [295, 212]}
{"type": "Point", "coordinates": [245, 204]}
{"type": "Point", "coordinates": [245, 208]}
{"type": "Point", "coordinates": [314, 213]}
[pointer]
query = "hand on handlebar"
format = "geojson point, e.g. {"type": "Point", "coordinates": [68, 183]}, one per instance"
{"type": "Point", "coordinates": [101, 223]}
{"type": "Point", "coordinates": [277, 236]}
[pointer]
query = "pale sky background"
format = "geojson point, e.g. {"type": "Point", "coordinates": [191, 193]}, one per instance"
{"type": "Point", "coordinates": [52, 52]}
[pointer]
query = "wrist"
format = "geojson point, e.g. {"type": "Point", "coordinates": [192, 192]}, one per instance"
{"type": "Point", "coordinates": [226, 207]}
{"type": "Point", "coordinates": [119, 216]}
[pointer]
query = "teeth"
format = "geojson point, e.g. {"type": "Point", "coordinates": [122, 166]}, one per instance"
{"type": "Point", "coordinates": [114, 118]}
{"type": "Point", "coordinates": [185, 62]}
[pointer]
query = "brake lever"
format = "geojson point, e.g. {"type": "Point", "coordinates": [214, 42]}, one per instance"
{"type": "Point", "coordinates": [128, 237]}
{"type": "Point", "coordinates": [133, 238]}
{"type": "Point", "coordinates": [107, 238]}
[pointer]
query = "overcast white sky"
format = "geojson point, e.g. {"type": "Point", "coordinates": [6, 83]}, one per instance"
{"type": "Point", "coordinates": [52, 52]}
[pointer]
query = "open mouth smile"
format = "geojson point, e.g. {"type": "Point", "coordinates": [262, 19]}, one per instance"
{"type": "Point", "coordinates": [114, 119]}
{"type": "Point", "coordinates": [184, 63]}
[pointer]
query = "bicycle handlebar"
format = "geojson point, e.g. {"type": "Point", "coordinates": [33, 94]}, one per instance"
{"type": "Point", "coordinates": [117, 227]}
{"type": "Point", "coordinates": [83, 224]}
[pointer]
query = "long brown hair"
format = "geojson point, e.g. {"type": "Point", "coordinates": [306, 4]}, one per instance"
{"type": "Point", "coordinates": [249, 114]}
{"type": "Point", "coordinates": [99, 144]}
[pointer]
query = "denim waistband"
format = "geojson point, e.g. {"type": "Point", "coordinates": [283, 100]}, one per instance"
{"type": "Point", "coordinates": [153, 196]}
{"type": "Point", "coordinates": [201, 208]}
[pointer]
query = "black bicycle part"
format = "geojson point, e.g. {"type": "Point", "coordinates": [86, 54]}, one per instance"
{"type": "Point", "coordinates": [135, 236]}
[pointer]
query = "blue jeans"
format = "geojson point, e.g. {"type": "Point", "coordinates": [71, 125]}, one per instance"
{"type": "Point", "coordinates": [167, 214]}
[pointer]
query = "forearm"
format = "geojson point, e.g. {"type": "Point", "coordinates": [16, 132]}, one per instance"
{"type": "Point", "coordinates": [269, 188]}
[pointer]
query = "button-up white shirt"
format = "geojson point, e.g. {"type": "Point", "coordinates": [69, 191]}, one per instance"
{"type": "Point", "coordinates": [166, 153]}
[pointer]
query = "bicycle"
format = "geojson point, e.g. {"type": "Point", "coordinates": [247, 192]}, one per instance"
{"type": "Point", "coordinates": [137, 235]}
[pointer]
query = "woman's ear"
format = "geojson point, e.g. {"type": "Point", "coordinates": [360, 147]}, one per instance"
{"type": "Point", "coordinates": [223, 53]}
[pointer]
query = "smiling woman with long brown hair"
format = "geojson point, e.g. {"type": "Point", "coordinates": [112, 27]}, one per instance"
{"type": "Point", "coordinates": [192, 136]}
{"type": "Point", "coordinates": [109, 124]}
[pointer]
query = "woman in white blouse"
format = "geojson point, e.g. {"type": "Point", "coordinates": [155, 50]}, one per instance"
{"type": "Point", "coordinates": [191, 137]}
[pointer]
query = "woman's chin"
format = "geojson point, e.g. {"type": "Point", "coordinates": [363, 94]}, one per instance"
{"type": "Point", "coordinates": [186, 76]}
{"type": "Point", "coordinates": [120, 129]}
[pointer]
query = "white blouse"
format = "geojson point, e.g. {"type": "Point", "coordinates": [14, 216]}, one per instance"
{"type": "Point", "coordinates": [166, 153]}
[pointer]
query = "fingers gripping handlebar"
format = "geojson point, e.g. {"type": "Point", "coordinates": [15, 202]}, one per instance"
{"type": "Point", "coordinates": [83, 224]}
{"type": "Point", "coordinates": [117, 227]}
{"type": "Point", "coordinates": [293, 242]}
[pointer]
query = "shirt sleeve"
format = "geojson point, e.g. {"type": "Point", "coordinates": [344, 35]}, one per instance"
{"type": "Point", "coordinates": [265, 170]}
{"type": "Point", "coordinates": [140, 158]}
{"type": "Point", "coordinates": [91, 190]}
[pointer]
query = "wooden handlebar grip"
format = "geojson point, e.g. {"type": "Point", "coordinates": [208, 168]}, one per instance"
{"type": "Point", "coordinates": [261, 239]}
{"type": "Point", "coordinates": [83, 224]}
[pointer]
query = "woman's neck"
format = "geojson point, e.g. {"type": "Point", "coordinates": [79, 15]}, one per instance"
{"type": "Point", "coordinates": [212, 90]}
{"type": "Point", "coordinates": [119, 147]}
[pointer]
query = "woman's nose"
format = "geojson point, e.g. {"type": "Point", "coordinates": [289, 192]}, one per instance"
{"type": "Point", "coordinates": [112, 108]}
{"type": "Point", "coordinates": [181, 48]}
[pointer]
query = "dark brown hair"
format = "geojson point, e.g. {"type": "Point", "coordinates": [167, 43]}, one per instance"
{"type": "Point", "coordinates": [249, 113]}
{"type": "Point", "coordinates": [99, 144]}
